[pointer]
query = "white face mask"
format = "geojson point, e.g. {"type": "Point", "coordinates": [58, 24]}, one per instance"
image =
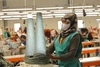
{"type": "Point", "coordinates": [52, 35]}
{"type": "Point", "coordinates": [65, 26]}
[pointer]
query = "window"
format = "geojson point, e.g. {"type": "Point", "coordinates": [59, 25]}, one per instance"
{"type": "Point", "coordinates": [16, 27]}
{"type": "Point", "coordinates": [80, 24]}
{"type": "Point", "coordinates": [59, 24]}
{"type": "Point", "coordinates": [98, 23]}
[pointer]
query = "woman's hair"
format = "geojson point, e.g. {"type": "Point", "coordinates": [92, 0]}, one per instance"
{"type": "Point", "coordinates": [47, 33]}
{"type": "Point", "coordinates": [84, 30]}
{"type": "Point", "coordinates": [55, 31]}
{"type": "Point", "coordinates": [23, 36]}
{"type": "Point", "coordinates": [25, 30]}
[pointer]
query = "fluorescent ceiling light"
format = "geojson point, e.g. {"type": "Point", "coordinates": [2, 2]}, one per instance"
{"type": "Point", "coordinates": [11, 19]}
{"type": "Point", "coordinates": [14, 13]}
{"type": "Point", "coordinates": [24, 13]}
{"type": "Point", "coordinates": [48, 8]}
{"type": "Point", "coordinates": [34, 12]}
{"type": "Point", "coordinates": [98, 5]}
{"type": "Point", "coordinates": [10, 12]}
{"type": "Point", "coordinates": [98, 19]}
{"type": "Point", "coordinates": [27, 18]}
{"type": "Point", "coordinates": [91, 15]}
{"type": "Point", "coordinates": [48, 17]}
{"type": "Point", "coordinates": [1, 13]}
{"type": "Point", "coordinates": [6, 16]}
{"type": "Point", "coordinates": [82, 11]}
{"type": "Point", "coordinates": [17, 13]}
{"type": "Point", "coordinates": [44, 15]}
{"type": "Point", "coordinates": [17, 16]}
{"type": "Point", "coordinates": [81, 7]}
{"type": "Point", "coordinates": [61, 11]}
{"type": "Point", "coordinates": [86, 10]}
{"type": "Point", "coordinates": [19, 9]}
{"type": "Point", "coordinates": [79, 13]}
{"type": "Point", "coordinates": [24, 18]}
{"type": "Point", "coordinates": [20, 16]}
{"type": "Point", "coordinates": [0, 19]}
{"type": "Point", "coordinates": [57, 14]}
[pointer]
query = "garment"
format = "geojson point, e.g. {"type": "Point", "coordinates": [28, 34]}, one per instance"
{"type": "Point", "coordinates": [13, 45]}
{"type": "Point", "coordinates": [69, 51]}
{"type": "Point", "coordinates": [14, 48]}
{"type": "Point", "coordinates": [6, 34]}
{"type": "Point", "coordinates": [18, 41]}
{"type": "Point", "coordinates": [24, 43]}
{"type": "Point", "coordinates": [90, 37]}
{"type": "Point", "coordinates": [85, 39]}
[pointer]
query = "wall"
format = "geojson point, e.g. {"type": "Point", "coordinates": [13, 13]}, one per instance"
{"type": "Point", "coordinates": [90, 21]}
{"type": "Point", "coordinates": [48, 23]}
{"type": "Point", "coordinates": [1, 26]}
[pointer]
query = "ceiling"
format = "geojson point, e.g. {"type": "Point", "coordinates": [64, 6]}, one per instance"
{"type": "Point", "coordinates": [45, 3]}
{"type": "Point", "coordinates": [34, 4]}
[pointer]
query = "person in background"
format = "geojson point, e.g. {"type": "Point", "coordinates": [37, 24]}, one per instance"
{"type": "Point", "coordinates": [47, 35]}
{"type": "Point", "coordinates": [19, 32]}
{"type": "Point", "coordinates": [1, 37]}
{"type": "Point", "coordinates": [90, 36]}
{"type": "Point", "coordinates": [53, 33]}
{"type": "Point", "coordinates": [68, 45]}
{"type": "Point", "coordinates": [6, 33]}
{"type": "Point", "coordinates": [17, 39]}
{"type": "Point", "coordinates": [23, 43]}
{"type": "Point", "coordinates": [86, 35]}
{"type": "Point", "coordinates": [24, 31]}
{"type": "Point", "coordinates": [14, 46]}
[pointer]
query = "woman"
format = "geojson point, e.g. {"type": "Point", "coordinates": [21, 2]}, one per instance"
{"type": "Point", "coordinates": [6, 33]}
{"type": "Point", "coordinates": [68, 44]}
{"type": "Point", "coordinates": [86, 35]}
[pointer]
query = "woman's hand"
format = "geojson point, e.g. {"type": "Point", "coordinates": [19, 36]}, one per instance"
{"type": "Point", "coordinates": [52, 56]}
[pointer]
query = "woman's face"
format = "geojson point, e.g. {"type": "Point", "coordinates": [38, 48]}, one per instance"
{"type": "Point", "coordinates": [64, 21]}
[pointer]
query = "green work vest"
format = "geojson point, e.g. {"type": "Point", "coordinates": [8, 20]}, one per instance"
{"type": "Point", "coordinates": [5, 34]}
{"type": "Point", "coordinates": [63, 48]}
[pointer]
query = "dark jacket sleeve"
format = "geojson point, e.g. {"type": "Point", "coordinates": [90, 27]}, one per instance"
{"type": "Point", "coordinates": [73, 47]}
{"type": "Point", "coordinates": [90, 37]}
{"type": "Point", "coordinates": [51, 48]}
